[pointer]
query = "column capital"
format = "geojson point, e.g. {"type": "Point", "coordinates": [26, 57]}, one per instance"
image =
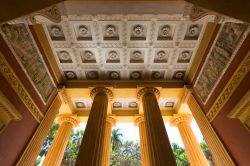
{"type": "Point", "coordinates": [111, 119]}
{"type": "Point", "coordinates": [68, 118]}
{"type": "Point", "coordinates": [178, 118]}
{"type": "Point", "coordinates": [139, 119]}
{"type": "Point", "coordinates": [106, 91]}
{"type": "Point", "coordinates": [146, 90]}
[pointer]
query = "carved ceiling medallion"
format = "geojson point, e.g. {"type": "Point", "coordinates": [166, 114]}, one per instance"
{"type": "Point", "coordinates": [138, 47]}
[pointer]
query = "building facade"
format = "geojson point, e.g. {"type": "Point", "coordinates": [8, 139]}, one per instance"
{"type": "Point", "coordinates": [105, 62]}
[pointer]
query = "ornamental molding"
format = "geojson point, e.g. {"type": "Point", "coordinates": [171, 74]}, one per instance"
{"type": "Point", "coordinates": [103, 90]}
{"type": "Point", "coordinates": [147, 90]}
{"type": "Point", "coordinates": [180, 118]}
{"type": "Point", "coordinates": [111, 119]}
{"type": "Point", "coordinates": [8, 108]}
{"type": "Point", "coordinates": [139, 120]}
{"type": "Point", "coordinates": [8, 112]}
{"type": "Point", "coordinates": [20, 90]}
{"type": "Point", "coordinates": [72, 119]}
{"type": "Point", "coordinates": [230, 88]}
{"type": "Point", "coordinates": [242, 110]}
{"type": "Point", "coordinates": [51, 14]}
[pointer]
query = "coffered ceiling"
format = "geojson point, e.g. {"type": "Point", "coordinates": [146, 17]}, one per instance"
{"type": "Point", "coordinates": [131, 47]}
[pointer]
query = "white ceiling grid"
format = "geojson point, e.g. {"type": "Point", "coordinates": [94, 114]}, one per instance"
{"type": "Point", "coordinates": [125, 47]}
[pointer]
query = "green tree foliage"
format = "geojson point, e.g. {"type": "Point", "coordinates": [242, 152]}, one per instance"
{"type": "Point", "coordinates": [48, 141]}
{"type": "Point", "coordinates": [180, 155]}
{"type": "Point", "coordinates": [116, 139]}
{"type": "Point", "coordinates": [50, 137]}
{"type": "Point", "coordinates": [207, 152]}
{"type": "Point", "coordinates": [124, 153]}
{"type": "Point", "coordinates": [72, 148]}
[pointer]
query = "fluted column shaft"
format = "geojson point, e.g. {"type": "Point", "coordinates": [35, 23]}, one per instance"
{"type": "Point", "coordinates": [107, 140]}
{"type": "Point", "coordinates": [160, 150]}
{"type": "Point", "coordinates": [195, 154]}
{"type": "Point", "coordinates": [143, 141]}
{"type": "Point", "coordinates": [57, 149]}
{"type": "Point", "coordinates": [34, 146]}
{"type": "Point", "coordinates": [90, 152]}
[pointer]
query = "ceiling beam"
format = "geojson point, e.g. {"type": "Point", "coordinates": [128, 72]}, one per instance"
{"type": "Point", "coordinates": [124, 84]}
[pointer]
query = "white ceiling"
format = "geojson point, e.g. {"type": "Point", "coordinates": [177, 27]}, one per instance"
{"type": "Point", "coordinates": [125, 47]}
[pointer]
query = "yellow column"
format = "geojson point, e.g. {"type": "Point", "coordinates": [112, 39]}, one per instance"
{"type": "Point", "coordinates": [56, 151]}
{"type": "Point", "coordinates": [219, 152]}
{"type": "Point", "coordinates": [139, 121]}
{"type": "Point", "coordinates": [107, 140]}
{"type": "Point", "coordinates": [35, 145]}
{"type": "Point", "coordinates": [160, 150]}
{"type": "Point", "coordinates": [90, 152]}
{"type": "Point", "coordinates": [195, 154]}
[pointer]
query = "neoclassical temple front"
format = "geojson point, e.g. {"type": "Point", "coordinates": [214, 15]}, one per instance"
{"type": "Point", "coordinates": [143, 62]}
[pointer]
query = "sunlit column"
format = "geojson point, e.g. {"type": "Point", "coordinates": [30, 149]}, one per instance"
{"type": "Point", "coordinates": [90, 152]}
{"type": "Point", "coordinates": [160, 150]}
{"type": "Point", "coordinates": [139, 121]}
{"type": "Point", "coordinates": [57, 149]}
{"type": "Point", "coordinates": [195, 154]}
{"type": "Point", "coordinates": [219, 152]}
{"type": "Point", "coordinates": [107, 140]}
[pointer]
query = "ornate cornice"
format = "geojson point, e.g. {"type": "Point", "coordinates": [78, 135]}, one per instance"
{"type": "Point", "coordinates": [139, 119]}
{"type": "Point", "coordinates": [179, 118]}
{"type": "Point", "coordinates": [111, 119]}
{"type": "Point", "coordinates": [97, 90]}
{"type": "Point", "coordinates": [8, 108]}
{"type": "Point", "coordinates": [231, 86]}
{"type": "Point", "coordinates": [63, 118]}
{"type": "Point", "coordinates": [18, 87]}
{"type": "Point", "coordinates": [146, 90]}
{"type": "Point", "coordinates": [52, 14]}
{"type": "Point", "coordinates": [199, 12]}
{"type": "Point", "coordinates": [242, 110]}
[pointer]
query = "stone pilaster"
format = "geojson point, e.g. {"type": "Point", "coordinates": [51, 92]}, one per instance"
{"type": "Point", "coordinates": [139, 121]}
{"type": "Point", "coordinates": [195, 154]}
{"type": "Point", "coordinates": [57, 149]}
{"type": "Point", "coordinates": [160, 150]}
{"type": "Point", "coordinates": [35, 145]}
{"type": "Point", "coordinates": [91, 149]}
{"type": "Point", "coordinates": [107, 140]}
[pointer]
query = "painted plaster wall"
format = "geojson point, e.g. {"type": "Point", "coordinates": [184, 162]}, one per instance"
{"type": "Point", "coordinates": [17, 134]}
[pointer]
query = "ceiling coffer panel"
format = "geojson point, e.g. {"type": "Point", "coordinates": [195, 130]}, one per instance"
{"type": "Point", "coordinates": [124, 47]}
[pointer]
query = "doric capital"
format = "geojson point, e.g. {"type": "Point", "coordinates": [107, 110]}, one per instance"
{"type": "Point", "coordinates": [97, 90]}
{"type": "Point", "coordinates": [111, 119]}
{"type": "Point", "coordinates": [146, 90]}
{"type": "Point", "coordinates": [68, 118]}
{"type": "Point", "coordinates": [139, 119]}
{"type": "Point", "coordinates": [178, 118]}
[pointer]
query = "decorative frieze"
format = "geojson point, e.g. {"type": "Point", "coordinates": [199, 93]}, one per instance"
{"type": "Point", "coordinates": [18, 87]}
{"type": "Point", "coordinates": [230, 87]}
